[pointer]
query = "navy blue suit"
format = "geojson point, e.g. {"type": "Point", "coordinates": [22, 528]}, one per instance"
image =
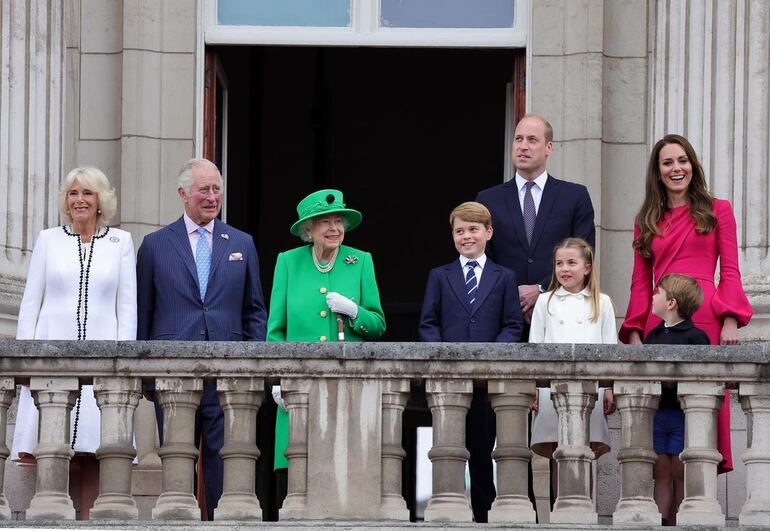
{"type": "Point", "coordinates": [565, 210]}
{"type": "Point", "coordinates": [494, 317]}
{"type": "Point", "coordinates": [170, 308]}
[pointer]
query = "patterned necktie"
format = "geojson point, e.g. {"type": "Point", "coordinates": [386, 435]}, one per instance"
{"type": "Point", "coordinates": [202, 261]}
{"type": "Point", "coordinates": [470, 281]}
{"type": "Point", "coordinates": [528, 211]}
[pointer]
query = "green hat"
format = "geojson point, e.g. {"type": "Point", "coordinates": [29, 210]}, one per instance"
{"type": "Point", "coordinates": [325, 202]}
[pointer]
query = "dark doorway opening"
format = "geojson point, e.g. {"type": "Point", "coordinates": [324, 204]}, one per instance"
{"type": "Point", "coordinates": [406, 134]}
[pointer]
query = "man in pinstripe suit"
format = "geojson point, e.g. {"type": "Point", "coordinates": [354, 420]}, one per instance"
{"type": "Point", "coordinates": [198, 280]}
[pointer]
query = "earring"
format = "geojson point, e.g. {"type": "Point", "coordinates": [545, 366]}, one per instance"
{"type": "Point", "coordinates": [98, 210]}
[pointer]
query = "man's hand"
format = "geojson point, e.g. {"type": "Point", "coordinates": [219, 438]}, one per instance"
{"type": "Point", "coordinates": [341, 304]}
{"type": "Point", "coordinates": [528, 295]}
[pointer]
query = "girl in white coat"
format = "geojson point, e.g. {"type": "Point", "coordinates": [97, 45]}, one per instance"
{"type": "Point", "coordinates": [573, 310]}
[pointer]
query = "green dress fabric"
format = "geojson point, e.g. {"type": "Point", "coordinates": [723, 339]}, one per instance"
{"type": "Point", "coordinates": [298, 309]}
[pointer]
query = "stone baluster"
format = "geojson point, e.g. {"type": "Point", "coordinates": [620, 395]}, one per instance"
{"type": "Point", "coordinates": [755, 399]}
{"type": "Point", "coordinates": [636, 403]}
{"type": "Point", "coordinates": [511, 401]}
{"type": "Point", "coordinates": [54, 398]}
{"type": "Point", "coordinates": [449, 401]}
{"type": "Point", "coordinates": [179, 398]}
{"type": "Point", "coordinates": [117, 399]}
{"type": "Point", "coordinates": [701, 402]}
{"type": "Point", "coordinates": [574, 401]}
{"type": "Point", "coordinates": [240, 399]}
{"type": "Point", "coordinates": [7, 392]}
{"type": "Point", "coordinates": [394, 396]}
{"type": "Point", "coordinates": [295, 393]}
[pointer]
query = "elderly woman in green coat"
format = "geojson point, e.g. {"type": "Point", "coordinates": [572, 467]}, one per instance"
{"type": "Point", "coordinates": [318, 283]}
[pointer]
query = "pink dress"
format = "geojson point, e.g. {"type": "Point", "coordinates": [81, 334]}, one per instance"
{"type": "Point", "coordinates": [680, 249]}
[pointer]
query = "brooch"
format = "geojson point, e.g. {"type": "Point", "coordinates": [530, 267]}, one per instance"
{"type": "Point", "coordinates": [225, 236]}
{"type": "Point", "coordinates": [351, 259]}
{"type": "Point", "coordinates": [114, 239]}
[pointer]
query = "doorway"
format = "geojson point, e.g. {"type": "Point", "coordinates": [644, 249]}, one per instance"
{"type": "Point", "coordinates": [406, 134]}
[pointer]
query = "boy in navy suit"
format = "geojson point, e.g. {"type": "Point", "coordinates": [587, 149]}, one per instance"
{"type": "Point", "coordinates": [473, 299]}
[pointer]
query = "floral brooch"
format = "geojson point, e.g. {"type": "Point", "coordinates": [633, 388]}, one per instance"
{"type": "Point", "coordinates": [351, 259]}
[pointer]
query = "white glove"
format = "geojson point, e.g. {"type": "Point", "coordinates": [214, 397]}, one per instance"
{"type": "Point", "coordinates": [276, 390]}
{"type": "Point", "coordinates": [341, 304]}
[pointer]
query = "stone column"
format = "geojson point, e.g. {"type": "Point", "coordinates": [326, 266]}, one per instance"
{"type": "Point", "coordinates": [755, 399]}
{"type": "Point", "coordinates": [240, 399]}
{"type": "Point", "coordinates": [449, 401]}
{"type": "Point", "coordinates": [179, 398]}
{"type": "Point", "coordinates": [295, 392]}
{"type": "Point", "coordinates": [147, 476]}
{"type": "Point", "coordinates": [117, 399]}
{"type": "Point", "coordinates": [7, 392]}
{"type": "Point", "coordinates": [511, 401]}
{"type": "Point", "coordinates": [701, 402]}
{"type": "Point", "coordinates": [54, 398]}
{"type": "Point", "coordinates": [394, 396]}
{"type": "Point", "coordinates": [636, 403]}
{"type": "Point", "coordinates": [574, 402]}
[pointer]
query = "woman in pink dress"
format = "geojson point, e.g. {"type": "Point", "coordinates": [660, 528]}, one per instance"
{"type": "Point", "coordinates": [681, 228]}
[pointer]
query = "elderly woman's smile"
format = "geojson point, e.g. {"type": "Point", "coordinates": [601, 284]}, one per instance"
{"type": "Point", "coordinates": [327, 233]}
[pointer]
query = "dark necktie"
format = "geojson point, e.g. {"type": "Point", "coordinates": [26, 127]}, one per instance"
{"type": "Point", "coordinates": [471, 285]}
{"type": "Point", "coordinates": [528, 211]}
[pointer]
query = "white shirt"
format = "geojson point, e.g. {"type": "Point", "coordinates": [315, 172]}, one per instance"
{"type": "Point", "coordinates": [537, 190]}
{"type": "Point", "coordinates": [192, 232]}
{"type": "Point", "coordinates": [482, 260]}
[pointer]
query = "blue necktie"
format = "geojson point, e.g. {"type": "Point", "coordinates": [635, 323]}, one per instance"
{"type": "Point", "coordinates": [528, 211]}
{"type": "Point", "coordinates": [202, 261]}
{"type": "Point", "coordinates": [471, 285]}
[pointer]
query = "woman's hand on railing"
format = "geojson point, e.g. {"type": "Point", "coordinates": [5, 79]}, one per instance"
{"type": "Point", "coordinates": [729, 334]}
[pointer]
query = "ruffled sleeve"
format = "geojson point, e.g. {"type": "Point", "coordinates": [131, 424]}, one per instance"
{"type": "Point", "coordinates": [729, 300]}
{"type": "Point", "coordinates": [641, 296]}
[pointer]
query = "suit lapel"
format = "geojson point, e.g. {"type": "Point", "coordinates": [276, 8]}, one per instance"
{"type": "Point", "coordinates": [547, 200]}
{"type": "Point", "coordinates": [220, 242]}
{"type": "Point", "coordinates": [457, 280]}
{"type": "Point", "coordinates": [180, 241]}
{"type": "Point", "coordinates": [514, 207]}
{"type": "Point", "coordinates": [488, 281]}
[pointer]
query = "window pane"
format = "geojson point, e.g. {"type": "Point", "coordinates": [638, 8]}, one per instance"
{"type": "Point", "coordinates": [326, 13]}
{"type": "Point", "coordinates": [447, 13]}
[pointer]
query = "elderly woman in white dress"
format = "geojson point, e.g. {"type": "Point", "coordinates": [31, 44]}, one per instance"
{"type": "Point", "coordinates": [81, 285]}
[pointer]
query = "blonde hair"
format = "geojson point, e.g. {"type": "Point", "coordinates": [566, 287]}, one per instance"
{"type": "Point", "coordinates": [97, 182]}
{"type": "Point", "coordinates": [685, 291]}
{"type": "Point", "coordinates": [591, 280]}
{"type": "Point", "coordinates": [472, 212]}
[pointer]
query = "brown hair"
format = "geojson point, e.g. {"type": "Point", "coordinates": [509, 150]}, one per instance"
{"type": "Point", "coordinates": [472, 212]}
{"type": "Point", "coordinates": [685, 291]}
{"type": "Point", "coordinates": [592, 279]}
{"type": "Point", "coordinates": [655, 197]}
{"type": "Point", "coordinates": [547, 129]}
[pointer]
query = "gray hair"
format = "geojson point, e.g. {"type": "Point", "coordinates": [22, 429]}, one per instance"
{"type": "Point", "coordinates": [95, 180]}
{"type": "Point", "coordinates": [307, 225]}
{"type": "Point", "coordinates": [186, 172]}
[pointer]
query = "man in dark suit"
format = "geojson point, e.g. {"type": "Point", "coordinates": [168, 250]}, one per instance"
{"type": "Point", "coordinates": [198, 280]}
{"type": "Point", "coordinates": [533, 212]}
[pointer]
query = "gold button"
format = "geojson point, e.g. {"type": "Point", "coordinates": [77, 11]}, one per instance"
{"type": "Point", "coordinates": [322, 290]}
{"type": "Point", "coordinates": [323, 313]}
{"type": "Point", "coordinates": [323, 339]}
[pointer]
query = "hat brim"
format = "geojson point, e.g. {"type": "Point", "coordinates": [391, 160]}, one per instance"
{"type": "Point", "coordinates": [353, 218]}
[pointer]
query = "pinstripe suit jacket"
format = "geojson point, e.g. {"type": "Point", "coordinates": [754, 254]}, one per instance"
{"type": "Point", "coordinates": [169, 305]}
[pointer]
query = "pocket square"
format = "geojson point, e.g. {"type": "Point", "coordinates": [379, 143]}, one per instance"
{"type": "Point", "coordinates": [235, 256]}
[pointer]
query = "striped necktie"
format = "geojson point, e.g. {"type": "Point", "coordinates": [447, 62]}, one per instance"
{"type": "Point", "coordinates": [202, 262]}
{"type": "Point", "coordinates": [471, 285]}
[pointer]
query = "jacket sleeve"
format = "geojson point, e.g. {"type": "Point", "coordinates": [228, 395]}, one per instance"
{"type": "Point", "coordinates": [430, 318]}
{"type": "Point", "coordinates": [370, 321]}
{"type": "Point", "coordinates": [253, 315]}
{"type": "Point", "coordinates": [539, 316]}
{"type": "Point", "coordinates": [145, 290]}
{"type": "Point", "coordinates": [32, 300]}
{"type": "Point", "coordinates": [512, 320]}
{"type": "Point", "coordinates": [277, 319]}
{"type": "Point", "coordinates": [126, 297]}
{"type": "Point", "coordinates": [583, 225]}
{"type": "Point", "coordinates": [641, 295]}
{"type": "Point", "coordinates": [607, 320]}
{"type": "Point", "coordinates": [729, 300]}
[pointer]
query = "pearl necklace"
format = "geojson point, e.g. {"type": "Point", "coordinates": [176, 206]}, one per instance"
{"type": "Point", "coordinates": [329, 265]}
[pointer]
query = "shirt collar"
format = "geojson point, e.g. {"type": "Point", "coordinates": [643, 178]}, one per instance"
{"type": "Point", "coordinates": [191, 226]}
{"type": "Point", "coordinates": [482, 260]}
{"type": "Point", "coordinates": [540, 181]}
{"type": "Point", "coordinates": [563, 293]}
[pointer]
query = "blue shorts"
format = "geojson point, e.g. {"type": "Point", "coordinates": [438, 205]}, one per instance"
{"type": "Point", "coordinates": [668, 431]}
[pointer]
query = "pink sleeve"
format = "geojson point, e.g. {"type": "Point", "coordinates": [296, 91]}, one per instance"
{"type": "Point", "coordinates": [641, 296]}
{"type": "Point", "coordinates": [729, 300]}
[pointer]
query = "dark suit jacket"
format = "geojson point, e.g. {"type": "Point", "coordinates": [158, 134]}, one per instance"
{"type": "Point", "coordinates": [447, 315]}
{"type": "Point", "coordinates": [169, 303]}
{"type": "Point", "coordinates": [565, 210]}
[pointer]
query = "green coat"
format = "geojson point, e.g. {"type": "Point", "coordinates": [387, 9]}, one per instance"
{"type": "Point", "coordinates": [298, 309]}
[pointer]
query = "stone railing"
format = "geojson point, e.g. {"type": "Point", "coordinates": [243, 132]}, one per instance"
{"type": "Point", "coordinates": [345, 403]}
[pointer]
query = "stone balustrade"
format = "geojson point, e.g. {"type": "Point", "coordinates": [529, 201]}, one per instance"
{"type": "Point", "coordinates": [345, 403]}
